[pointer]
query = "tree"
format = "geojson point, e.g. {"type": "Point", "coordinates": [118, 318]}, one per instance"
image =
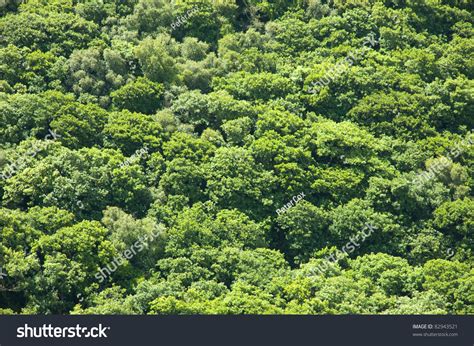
{"type": "Point", "coordinates": [448, 278]}
{"type": "Point", "coordinates": [234, 179]}
{"type": "Point", "coordinates": [155, 59]}
{"type": "Point", "coordinates": [256, 157]}
{"type": "Point", "coordinates": [68, 259]}
{"type": "Point", "coordinates": [261, 86]}
{"type": "Point", "coordinates": [305, 229]}
{"type": "Point", "coordinates": [142, 96]}
{"type": "Point", "coordinates": [131, 132]}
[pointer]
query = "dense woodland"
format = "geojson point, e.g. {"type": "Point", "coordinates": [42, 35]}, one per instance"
{"type": "Point", "coordinates": [193, 136]}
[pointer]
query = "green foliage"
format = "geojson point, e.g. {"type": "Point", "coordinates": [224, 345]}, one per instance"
{"type": "Point", "coordinates": [130, 132]}
{"type": "Point", "coordinates": [231, 158]}
{"type": "Point", "coordinates": [262, 86]}
{"type": "Point", "coordinates": [449, 279]}
{"type": "Point", "coordinates": [155, 59]}
{"type": "Point", "coordinates": [141, 96]}
{"type": "Point", "coordinates": [79, 124]}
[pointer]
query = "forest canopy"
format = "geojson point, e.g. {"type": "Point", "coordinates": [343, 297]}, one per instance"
{"type": "Point", "coordinates": [236, 157]}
